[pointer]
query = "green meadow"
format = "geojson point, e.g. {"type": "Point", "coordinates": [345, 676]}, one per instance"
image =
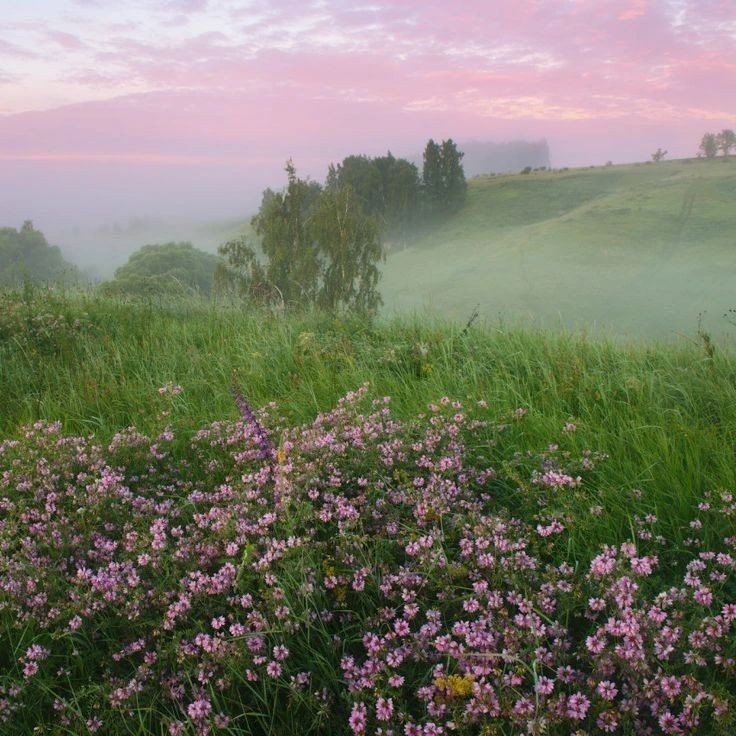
{"type": "Point", "coordinates": [664, 413]}
{"type": "Point", "coordinates": [634, 250]}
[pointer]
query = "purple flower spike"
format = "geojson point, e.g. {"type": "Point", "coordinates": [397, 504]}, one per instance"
{"type": "Point", "coordinates": [267, 451]}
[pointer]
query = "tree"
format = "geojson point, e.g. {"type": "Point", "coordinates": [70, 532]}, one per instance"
{"type": "Point", "coordinates": [443, 177]}
{"type": "Point", "coordinates": [432, 174]}
{"type": "Point", "coordinates": [168, 268]}
{"type": "Point", "coordinates": [26, 255]}
{"type": "Point", "coordinates": [709, 145]}
{"type": "Point", "coordinates": [387, 187]}
{"type": "Point", "coordinates": [350, 247]}
{"type": "Point", "coordinates": [658, 155]}
{"type": "Point", "coordinates": [402, 193]}
{"type": "Point", "coordinates": [364, 176]}
{"type": "Point", "coordinates": [453, 176]}
{"type": "Point", "coordinates": [726, 141]}
{"type": "Point", "coordinates": [317, 247]}
{"type": "Point", "coordinates": [291, 269]}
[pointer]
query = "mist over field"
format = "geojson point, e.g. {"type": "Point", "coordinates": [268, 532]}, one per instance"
{"type": "Point", "coordinates": [100, 212]}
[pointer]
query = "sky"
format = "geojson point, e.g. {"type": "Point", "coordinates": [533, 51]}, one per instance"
{"type": "Point", "coordinates": [110, 109]}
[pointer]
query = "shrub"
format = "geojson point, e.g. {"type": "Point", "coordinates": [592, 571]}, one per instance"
{"type": "Point", "coordinates": [355, 574]}
{"type": "Point", "coordinates": [168, 269]}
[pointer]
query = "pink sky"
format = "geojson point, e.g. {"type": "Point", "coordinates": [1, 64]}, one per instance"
{"type": "Point", "coordinates": [192, 106]}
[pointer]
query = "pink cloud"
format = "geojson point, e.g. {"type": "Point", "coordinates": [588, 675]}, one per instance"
{"type": "Point", "coordinates": [66, 40]}
{"type": "Point", "coordinates": [7, 48]}
{"type": "Point", "coordinates": [635, 10]}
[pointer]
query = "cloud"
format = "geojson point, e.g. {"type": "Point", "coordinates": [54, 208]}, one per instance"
{"type": "Point", "coordinates": [636, 9]}
{"type": "Point", "coordinates": [318, 79]}
{"type": "Point", "coordinates": [66, 40]}
{"type": "Point", "coordinates": [7, 48]}
{"type": "Point", "coordinates": [186, 6]}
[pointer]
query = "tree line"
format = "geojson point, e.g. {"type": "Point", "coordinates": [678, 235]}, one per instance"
{"type": "Point", "coordinates": [320, 244]}
{"type": "Point", "coordinates": [312, 244]}
{"type": "Point", "coordinates": [26, 255]}
{"type": "Point", "coordinates": [712, 143]}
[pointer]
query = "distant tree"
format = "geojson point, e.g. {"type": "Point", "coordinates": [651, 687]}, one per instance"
{"type": "Point", "coordinates": [401, 191]}
{"type": "Point", "coordinates": [317, 247]}
{"type": "Point", "coordinates": [709, 145]}
{"type": "Point", "coordinates": [453, 176]}
{"type": "Point", "coordinates": [386, 187]}
{"type": "Point", "coordinates": [362, 174]}
{"type": "Point", "coordinates": [432, 174]}
{"type": "Point", "coordinates": [726, 141]}
{"type": "Point", "coordinates": [658, 155]}
{"type": "Point", "coordinates": [443, 176]}
{"type": "Point", "coordinates": [26, 255]}
{"type": "Point", "coordinates": [167, 268]}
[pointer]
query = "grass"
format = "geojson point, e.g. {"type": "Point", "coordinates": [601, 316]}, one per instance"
{"type": "Point", "coordinates": [630, 250]}
{"type": "Point", "coordinates": [657, 419]}
{"type": "Point", "coordinates": [665, 414]}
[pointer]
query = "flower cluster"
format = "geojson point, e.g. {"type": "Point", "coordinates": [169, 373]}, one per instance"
{"type": "Point", "coordinates": [361, 578]}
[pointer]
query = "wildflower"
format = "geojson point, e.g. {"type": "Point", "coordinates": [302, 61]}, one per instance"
{"type": "Point", "coordinates": [384, 709]}
{"type": "Point", "coordinates": [577, 706]}
{"type": "Point", "coordinates": [357, 720]}
{"type": "Point", "coordinates": [607, 690]}
{"type": "Point", "coordinates": [199, 709]}
{"type": "Point", "coordinates": [266, 448]}
{"type": "Point", "coordinates": [274, 669]}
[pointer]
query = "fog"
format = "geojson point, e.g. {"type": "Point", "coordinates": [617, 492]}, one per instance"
{"type": "Point", "coordinates": [99, 212]}
{"type": "Point", "coordinates": [194, 182]}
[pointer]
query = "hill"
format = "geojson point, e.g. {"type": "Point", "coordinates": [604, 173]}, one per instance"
{"type": "Point", "coordinates": [175, 557]}
{"type": "Point", "coordinates": [636, 250]}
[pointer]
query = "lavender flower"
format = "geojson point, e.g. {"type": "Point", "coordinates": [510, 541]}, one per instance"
{"type": "Point", "coordinates": [266, 448]}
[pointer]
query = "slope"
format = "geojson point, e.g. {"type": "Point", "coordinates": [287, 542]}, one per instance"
{"type": "Point", "coordinates": [632, 250]}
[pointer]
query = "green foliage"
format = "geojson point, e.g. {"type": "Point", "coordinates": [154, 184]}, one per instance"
{"type": "Point", "coordinates": [709, 145]}
{"type": "Point", "coordinates": [350, 246]}
{"type": "Point", "coordinates": [443, 176]}
{"type": "Point", "coordinates": [26, 255]}
{"type": "Point", "coordinates": [726, 141]}
{"type": "Point", "coordinates": [432, 173]}
{"type": "Point", "coordinates": [387, 188]}
{"type": "Point", "coordinates": [363, 175]}
{"type": "Point", "coordinates": [171, 268]}
{"type": "Point", "coordinates": [453, 176]}
{"type": "Point", "coordinates": [319, 248]}
{"type": "Point", "coordinates": [40, 323]}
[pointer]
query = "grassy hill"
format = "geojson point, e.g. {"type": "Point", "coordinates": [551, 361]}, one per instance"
{"type": "Point", "coordinates": [189, 571]}
{"type": "Point", "coordinates": [636, 250]}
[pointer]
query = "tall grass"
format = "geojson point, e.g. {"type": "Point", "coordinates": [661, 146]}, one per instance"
{"type": "Point", "coordinates": [124, 562]}
{"type": "Point", "coordinates": [664, 414]}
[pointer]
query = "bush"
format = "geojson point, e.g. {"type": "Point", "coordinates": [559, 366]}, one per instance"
{"type": "Point", "coordinates": [168, 269]}
{"type": "Point", "coordinates": [358, 573]}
